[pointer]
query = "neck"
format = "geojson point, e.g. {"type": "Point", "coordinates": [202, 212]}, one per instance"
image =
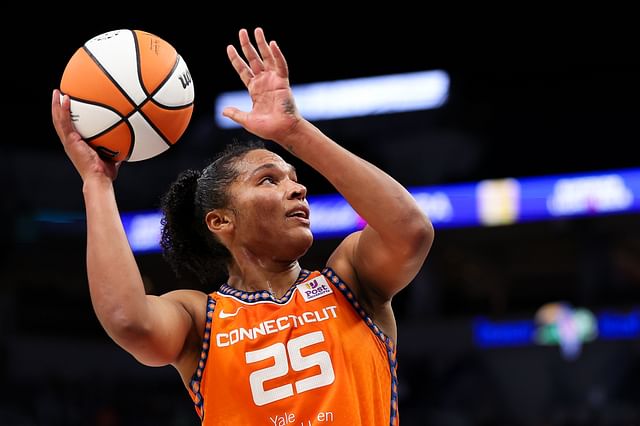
{"type": "Point", "coordinates": [248, 272]}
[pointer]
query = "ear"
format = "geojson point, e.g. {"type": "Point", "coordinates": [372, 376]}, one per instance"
{"type": "Point", "coordinates": [219, 221]}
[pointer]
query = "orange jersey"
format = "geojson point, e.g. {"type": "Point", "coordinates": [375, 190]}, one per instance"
{"type": "Point", "coordinates": [313, 357]}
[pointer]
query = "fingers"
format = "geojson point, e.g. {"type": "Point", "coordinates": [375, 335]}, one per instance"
{"type": "Point", "coordinates": [239, 65]}
{"type": "Point", "coordinates": [280, 62]}
{"type": "Point", "coordinates": [269, 58]}
{"type": "Point", "coordinates": [255, 62]}
{"type": "Point", "coordinates": [55, 99]}
{"type": "Point", "coordinates": [265, 51]}
{"type": "Point", "coordinates": [236, 115]}
{"type": "Point", "coordinates": [60, 113]}
{"type": "Point", "coordinates": [55, 105]}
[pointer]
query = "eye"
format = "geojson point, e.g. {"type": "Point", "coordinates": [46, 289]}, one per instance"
{"type": "Point", "coordinates": [268, 179]}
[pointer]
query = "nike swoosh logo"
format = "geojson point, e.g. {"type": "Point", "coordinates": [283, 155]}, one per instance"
{"type": "Point", "coordinates": [224, 314]}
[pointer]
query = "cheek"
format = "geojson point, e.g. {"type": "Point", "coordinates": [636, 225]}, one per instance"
{"type": "Point", "coordinates": [261, 214]}
{"type": "Point", "coordinates": [265, 222]}
{"type": "Point", "coordinates": [267, 208]}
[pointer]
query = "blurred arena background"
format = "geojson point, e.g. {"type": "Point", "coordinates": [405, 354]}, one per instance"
{"type": "Point", "coordinates": [475, 348]}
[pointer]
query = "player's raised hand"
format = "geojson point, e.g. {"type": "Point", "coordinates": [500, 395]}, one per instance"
{"type": "Point", "coordinates": [85, 159]}
{"type": "Point", "coordinates": [265, 74]}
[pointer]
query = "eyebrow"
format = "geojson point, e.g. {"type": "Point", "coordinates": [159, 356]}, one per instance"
{"type": "Point", "coordinates": [271, 166]}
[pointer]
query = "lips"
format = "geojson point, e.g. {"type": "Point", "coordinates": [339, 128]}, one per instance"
{"type": "Point", "coordinates": [300, 211]}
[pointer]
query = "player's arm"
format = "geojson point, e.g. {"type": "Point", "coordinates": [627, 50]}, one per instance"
{"type": "Point", "coordinates": [153, 329]}
{"type": "Point", "coordinates": [388, 253]}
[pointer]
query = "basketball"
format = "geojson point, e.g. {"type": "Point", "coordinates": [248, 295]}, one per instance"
{"type": "Point", "coordinates": [131, 94]}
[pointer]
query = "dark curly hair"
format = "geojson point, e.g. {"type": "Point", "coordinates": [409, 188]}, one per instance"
{"type": "Point", "coordinates": [187, 244]}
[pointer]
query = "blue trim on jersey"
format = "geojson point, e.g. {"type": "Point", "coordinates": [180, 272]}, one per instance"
{"type": "Point", "coordinates": [262, 295]}
{"type": "Point", "coordinates": [194, 384]}
{"type": "Point", "coordinates": [242, 296]}
{"type": "Point", "coordinates": [388, 342]}
{"type": "Point", "coordinates": [258, 296]}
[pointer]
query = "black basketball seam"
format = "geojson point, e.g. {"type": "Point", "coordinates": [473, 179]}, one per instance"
{"type": "Point", "coordinates": [109, 76]}
{"type": "Point", "coordinates": [162, 83]}
{"type": "Point", "coordinates": [107, 130]}
{"type": "Point", "coordinates": [150, 95]}
{"type": "Point", "coordinates": [124, 93]}
{"type": "Point", "coordinates": [175, 108]}
{"type": "Point", "coordinates": [138, 108]}
{"type": "Point", "coordinates": [105, 106]}
{"type": "Point", "coordinates": [122, 117]}
{"type": "Point", "coordinates": [133, 140]}
{"type": "Point", "coordinates": [153, 126]}
{"type": "Point", "coordinates": [178, 57]}
{"type": "Point", "coordinates": [169, 74]}
{"type": "Point", "coordinates": [138, 65]}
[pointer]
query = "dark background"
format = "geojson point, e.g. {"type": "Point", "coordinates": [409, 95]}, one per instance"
{"type": "Point", "coordinates": [526, 100]}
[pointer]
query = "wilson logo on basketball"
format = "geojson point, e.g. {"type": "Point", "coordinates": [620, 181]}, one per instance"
{"type": "Point", "coordinates": [185, 79]}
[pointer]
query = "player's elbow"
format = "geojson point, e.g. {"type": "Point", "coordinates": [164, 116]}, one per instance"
{"type": "Point", "coordinates": [419, 233]}
{"type": "Point", "coordinates": [125, 326]}
{"type": "Point", "coordinates": [137, 338]}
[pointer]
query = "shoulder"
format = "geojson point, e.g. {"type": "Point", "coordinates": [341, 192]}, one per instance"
{"type": "Point", "coordinates": [341, 262]}
{"type": "Point", "coordinates": [376, 306]}
{"type": "Point", "coordinates": [194, 304]}
{"type": "Point", "coordinates": [184, 295]}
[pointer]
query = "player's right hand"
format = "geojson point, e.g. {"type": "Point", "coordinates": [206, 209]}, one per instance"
{"type": "Point", "coordinates": [85, 159]}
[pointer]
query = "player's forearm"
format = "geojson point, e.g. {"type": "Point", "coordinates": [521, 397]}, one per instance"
{"type": "Point", "coordinates": [117, 290]}
{"type": "Point", "coordinates": [385, 204]}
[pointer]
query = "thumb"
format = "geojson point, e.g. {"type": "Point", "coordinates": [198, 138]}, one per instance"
{"type": "Point", "coordinates": [236, 115]}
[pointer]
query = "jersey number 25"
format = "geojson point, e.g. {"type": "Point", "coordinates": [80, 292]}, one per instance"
{"type": "Point", "coordinates": [280, 368]}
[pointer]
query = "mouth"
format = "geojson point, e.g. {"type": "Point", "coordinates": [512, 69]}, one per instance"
{"type": "Point", "coordinates": [300, 213]}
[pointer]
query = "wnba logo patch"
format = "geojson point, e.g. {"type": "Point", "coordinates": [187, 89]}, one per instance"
{"type": "Point", "coordinates": [314, 288]}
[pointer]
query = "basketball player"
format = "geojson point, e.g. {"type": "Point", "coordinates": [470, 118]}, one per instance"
{"type": "Point", "coordinates": [276, 344]}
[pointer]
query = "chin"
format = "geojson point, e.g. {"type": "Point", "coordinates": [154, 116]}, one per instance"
{"type": "Point", "coordinates": [296, 245]}
{"type": "Point", "coordinates": [304, 242]}
{"type": "Point", "coordinates": [288, 243]}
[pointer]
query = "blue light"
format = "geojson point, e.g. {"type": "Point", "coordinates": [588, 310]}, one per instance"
{"type": "Point", "coordinates": [486, 203]}
{"type": "Point", "coordinates": [608, 326]}
{"type": "Point", "coordinates": [143, 231]}
{"type": "Point", "coordinates": [488, 334]}
{"type": "Point", "coordinates": [619, 325]}
{"type": "Point", "coordinates": [355, 97]}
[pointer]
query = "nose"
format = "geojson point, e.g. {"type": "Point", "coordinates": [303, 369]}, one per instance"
{"type": "Point", "coordinates": [297, 191]}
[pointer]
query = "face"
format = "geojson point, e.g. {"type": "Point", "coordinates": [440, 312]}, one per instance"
{"type": "Point", "coordinates": [270, 209]}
